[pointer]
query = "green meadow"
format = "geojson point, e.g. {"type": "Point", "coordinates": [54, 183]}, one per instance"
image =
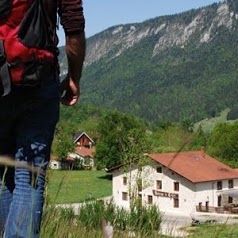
{"type": "Point", "coordinates": [209, 123]}
{"type": "Point", "coordinates": [214, 231]}
{"type": "Point", "coordinates": [77, 186]}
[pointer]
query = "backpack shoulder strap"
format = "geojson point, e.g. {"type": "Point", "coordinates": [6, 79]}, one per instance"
{"type": "Point", "coordinates": [4, 72]}
{"type": "Point", "coordinates": [36, 29]}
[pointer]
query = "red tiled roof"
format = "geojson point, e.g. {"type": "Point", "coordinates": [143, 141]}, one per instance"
{"type": "Point", "coordinates": [83, 151]}
{"type": "Point", "coordinates": [53, 157]}
{"type": "Point", "coordinates": [195, 166]}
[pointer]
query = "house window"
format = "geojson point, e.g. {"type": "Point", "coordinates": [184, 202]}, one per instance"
{"type": "Point", "coordinates": [159, 169]}
{"type": "Point", "coordinates": [150, 199]}
{"type": "Point", "coordinates": [176, 202]}
{"type": "Point", "coordinates": [219, 185]}
{"type": "Point", "coordinates": [230, 184]}
{"type": "Point", "coordinates": [207, 206]}
{"type": "Point", "coordinates": [176, 186]}
{"type": "Point", "coordinates": [124, 196]}
{"type": "Point", "coordinates": [124, 180]}
{"type": "Point", "coordinates": [230, 199]}
{"type": "Point", "coordinates": [158, 184]}
{"type": "Point", "coordinates": [200, 206]}
{"type": "Point", "coordinates": [219, 201]}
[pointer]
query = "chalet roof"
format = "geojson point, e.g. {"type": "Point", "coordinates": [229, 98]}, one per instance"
{"type": "Point", "coordinates": [83, 151]}
{"type": "Point", "coordinates": [195, 166]}
{"type": "Point", "coordinates": [53, 157]}
{"type": "Point", "coordinates": [80, 134]}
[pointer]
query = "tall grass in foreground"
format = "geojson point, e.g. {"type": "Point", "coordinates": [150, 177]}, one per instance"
{"type": "Point", "coordinates": [62, 223]}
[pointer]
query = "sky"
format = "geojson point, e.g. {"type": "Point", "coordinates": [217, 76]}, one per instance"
{"type": "Point", "coordinates": [102, 14]}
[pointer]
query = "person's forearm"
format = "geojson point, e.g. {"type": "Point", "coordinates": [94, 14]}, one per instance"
{"type": "Point", "coordinates": [75, 50]}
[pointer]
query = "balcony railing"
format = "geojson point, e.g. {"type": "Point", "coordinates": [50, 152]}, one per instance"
{"type": "Point", "coordinates": [223, 209]}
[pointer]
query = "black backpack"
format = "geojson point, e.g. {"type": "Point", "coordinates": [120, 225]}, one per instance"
{"type": "Point", "coordinates": [5, 8]}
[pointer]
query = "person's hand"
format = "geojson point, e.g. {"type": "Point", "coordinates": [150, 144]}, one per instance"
{"type": "Point", "coordinates": [70, 91]}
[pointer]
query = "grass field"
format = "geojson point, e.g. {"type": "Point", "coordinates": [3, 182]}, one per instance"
{"type": "Point", "coordinates": [209, 124]}
{"type": "Point", "coordinates": [77, 186]}
{"type": "Point", "coordinates": [214, 231]}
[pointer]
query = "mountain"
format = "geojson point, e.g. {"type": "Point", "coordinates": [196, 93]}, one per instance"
{"type": "Point", "coordinates": [170, 68]}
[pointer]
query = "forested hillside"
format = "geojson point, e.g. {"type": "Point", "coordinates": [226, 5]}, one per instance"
{"type": "Point", "coordinates": [120, 137]}
{"type": "Point", "coordinates": [170, 68]}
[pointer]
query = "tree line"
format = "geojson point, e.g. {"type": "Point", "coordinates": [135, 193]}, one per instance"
{"type": "Point", "coordinates": [123, 138]}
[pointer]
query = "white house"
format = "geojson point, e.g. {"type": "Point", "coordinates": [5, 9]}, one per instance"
{"type": "Point", "coordinates": [55, 164]}
{"type": "Point", "coordinates": [84, 154]}
{"type": "Point", "coordinates": [184, 182]}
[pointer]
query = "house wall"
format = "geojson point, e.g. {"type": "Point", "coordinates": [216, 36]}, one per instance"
{"type": "Point", "coordinates": [212, 193]}
{"type": "Point", "coordinates": [206, 192]}
{"type": "Point", "coordinates": [189, 195]}
{"type": "Point", "coordinates": [84, 141]}
{"type": "Point", "coordinates": [165, 198]}
{"type": "Point", "coordinates": [118, 188]}
{"type": "Point", "coordinates": [149, 177]}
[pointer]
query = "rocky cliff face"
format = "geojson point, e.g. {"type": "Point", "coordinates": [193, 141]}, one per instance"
{"type": "Point", "coordinates": [171, 31]}
{"type": "Point", "coordinates": [167, 68]}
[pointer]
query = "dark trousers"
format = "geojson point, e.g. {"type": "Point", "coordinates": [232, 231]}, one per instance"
{"type": "Point", "coordinates": [28, 116]}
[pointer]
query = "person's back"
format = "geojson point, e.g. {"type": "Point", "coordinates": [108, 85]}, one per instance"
{"type": "Point", "coordinates": [27, 37]}
{"type": "Point", "coordinates": [30, 103]}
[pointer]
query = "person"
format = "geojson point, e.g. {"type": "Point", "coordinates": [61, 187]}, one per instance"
{"type": "Point", "coordinates": [29, 105]}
